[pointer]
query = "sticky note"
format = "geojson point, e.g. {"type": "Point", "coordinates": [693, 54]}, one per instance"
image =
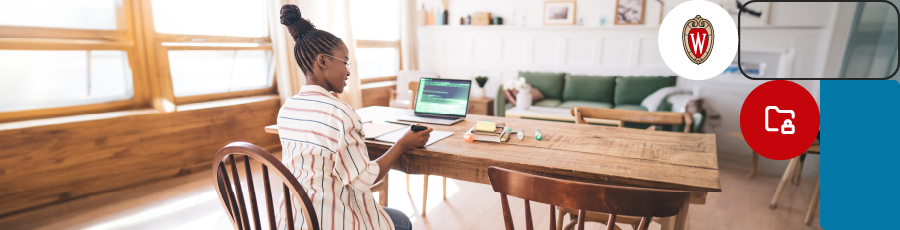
{"type": "Point", "coordinates": [486, 126]}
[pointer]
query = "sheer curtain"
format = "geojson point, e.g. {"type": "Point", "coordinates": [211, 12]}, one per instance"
{"type": "Point", "coordinates": [331, 16]}
{"type": "Point", "coordinates": [408, 45]}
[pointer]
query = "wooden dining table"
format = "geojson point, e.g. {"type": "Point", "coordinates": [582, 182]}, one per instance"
{"type": "Point", "coordinates": [586, 153]}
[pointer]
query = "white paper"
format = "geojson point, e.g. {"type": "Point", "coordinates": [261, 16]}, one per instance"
{"type": "Point", "coordinates": [394, 136]}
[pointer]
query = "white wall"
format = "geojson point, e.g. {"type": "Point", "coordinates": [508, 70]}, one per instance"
{"type": "Point", "coordinates": [501, 51]}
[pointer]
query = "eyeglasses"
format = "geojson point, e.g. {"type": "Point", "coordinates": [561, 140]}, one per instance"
{"type": "Point", "coordinates": [347, 62]}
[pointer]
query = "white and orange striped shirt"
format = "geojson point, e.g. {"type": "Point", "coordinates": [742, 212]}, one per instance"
{"type": "Point", "coordinates": [323, 146]}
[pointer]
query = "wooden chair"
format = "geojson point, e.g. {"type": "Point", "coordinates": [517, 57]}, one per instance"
{"type": "Point", "coordinates": [793, 171]}
{"type": "Point", "coordinates": [616, 200]}
{"type": "Point", "coordinates": [414, 86]}
{"type": "Point", "coordinates": [232, 197]}
{"type": "Point", "coordinates": [653, 118]}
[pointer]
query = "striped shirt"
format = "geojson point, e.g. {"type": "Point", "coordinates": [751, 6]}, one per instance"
{"type": "Point", "coordinates": [323, 146]}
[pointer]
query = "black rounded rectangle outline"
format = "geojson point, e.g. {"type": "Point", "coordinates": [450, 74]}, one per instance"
{"type": "Point", "coordinates": [809, 78]}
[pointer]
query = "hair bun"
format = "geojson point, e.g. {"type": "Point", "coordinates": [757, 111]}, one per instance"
{"type": "Point", "coordinates": [290, 17]}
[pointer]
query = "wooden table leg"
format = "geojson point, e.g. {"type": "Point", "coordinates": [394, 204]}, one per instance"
{"type": "Point", "coordinates": [813, 202]}
{"type": "Point", "coordinates": [753, 166]}
{"type": "Point", "coordinates": [424, 194]}
{"type": "Point", "coordinates": [682, 217]}
{"type": "Point", "coordinates": [407, 183]}
{"type": "Point", "coordinates": [799, 169]}
{"type": "Point", "coordinates": [445, 187]}
{"type": "Point", "coordinates": [784, 180]}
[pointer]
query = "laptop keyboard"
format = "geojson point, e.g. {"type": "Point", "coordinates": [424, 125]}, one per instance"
{"type": "Point", "coordinates": [437, 116]}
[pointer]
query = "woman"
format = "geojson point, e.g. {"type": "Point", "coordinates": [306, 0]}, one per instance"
{"type": "Point", "coordinates": [322, 138]}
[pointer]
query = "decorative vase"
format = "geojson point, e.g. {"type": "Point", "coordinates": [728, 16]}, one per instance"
{"type": "Point", "coordinates": [523, 98]}
{"type": "Point", "coordinates": [478, 92]}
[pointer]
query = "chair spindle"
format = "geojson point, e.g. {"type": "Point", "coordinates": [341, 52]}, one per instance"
{"type": "Point", "coordinates": [287, 208]}
{"type": "Point", "coordinates": [235, 211]}
{"type": "Point", "coordinates": [611, 223]}
{"type": "Point", "coordinates": [240, 193]}
{"type": "Point", "coordinates": [528, 224]}
{"type": "Point", "coordinates": [270, 210]}
{"type": "Point", "coordinates": [507, 216]}
{"type": "Point", "coordinates": [645, 222]}
{"type": "Point", "coordinates": [552, 217]}
{"type": "Point", "coordinates": [252, 190]}
{"type": "Point", "coordinates": [581, 215]}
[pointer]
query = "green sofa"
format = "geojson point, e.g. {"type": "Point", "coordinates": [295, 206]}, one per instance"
{"type": "Point", "coordinates": [609, 92]}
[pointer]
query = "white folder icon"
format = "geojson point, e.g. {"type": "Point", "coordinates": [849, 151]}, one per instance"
{"type": "Point", "coordinates": [776, 110]}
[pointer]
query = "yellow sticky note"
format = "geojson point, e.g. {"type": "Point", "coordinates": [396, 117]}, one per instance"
{"type": "Point", "coordinates": [486, 126]}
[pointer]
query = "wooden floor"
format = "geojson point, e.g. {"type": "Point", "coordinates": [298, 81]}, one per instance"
{"type": "Point", "coordinates": [190, 202]}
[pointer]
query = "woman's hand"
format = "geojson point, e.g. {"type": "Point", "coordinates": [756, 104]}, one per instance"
{"type": "Point", "coordinates": [412, 140]}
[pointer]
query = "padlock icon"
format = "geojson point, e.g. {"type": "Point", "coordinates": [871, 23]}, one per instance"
{"type": "Point", "coordinates": [787, 125]}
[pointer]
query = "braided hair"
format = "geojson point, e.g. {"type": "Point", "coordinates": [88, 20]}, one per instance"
{"type": "Point", "coordinates": [309, 42]}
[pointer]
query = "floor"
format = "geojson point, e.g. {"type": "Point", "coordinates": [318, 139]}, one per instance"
{"type": "Point", "coordinates": [190, 202]}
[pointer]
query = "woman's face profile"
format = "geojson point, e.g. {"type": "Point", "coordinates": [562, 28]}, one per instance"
{"type": "Point", "coordinates": [336, 74]}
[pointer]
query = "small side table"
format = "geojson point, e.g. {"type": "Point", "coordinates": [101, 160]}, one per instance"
{"type": "Point", "coordinates": [481, 106]}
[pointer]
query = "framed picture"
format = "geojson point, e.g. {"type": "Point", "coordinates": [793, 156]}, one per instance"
{"type": "Point", "coordinates": [559, 13]}
{"type": "Point", "coordinates": [630, 12]}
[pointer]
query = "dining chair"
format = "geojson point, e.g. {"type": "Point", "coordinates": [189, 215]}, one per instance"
{"type": "Point", "coordinates": [621, 115]}
{"type": "Point", "coordinates": [414, 86]}
{"type": "Point", "coordinates": [231, 195]}
{"type": "Point", "coordinates": [585, 197]}
{"type": "Point", "coordinates": [399, 98]}
{"type": "Point", "coordinates": [793, 173]}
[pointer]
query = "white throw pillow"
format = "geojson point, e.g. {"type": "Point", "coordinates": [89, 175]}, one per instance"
{"type": "Point", "coordinates": [651, 103]}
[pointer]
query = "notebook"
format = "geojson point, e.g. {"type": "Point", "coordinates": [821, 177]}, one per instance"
{"type": "Point", "coordinates": [374, 130]}
{"type": "Point", "coordinates": [392, 137]}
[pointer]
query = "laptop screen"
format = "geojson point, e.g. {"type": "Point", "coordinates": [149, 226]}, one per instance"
{"type": "Point", "coordinates": [443, 96]}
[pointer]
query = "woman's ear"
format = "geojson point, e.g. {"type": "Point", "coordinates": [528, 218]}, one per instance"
{"type": "Point", "coordinates": [320, 61]}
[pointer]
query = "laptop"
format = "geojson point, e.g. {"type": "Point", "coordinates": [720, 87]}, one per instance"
{"type": "Point", "coordinates": [440, 101]}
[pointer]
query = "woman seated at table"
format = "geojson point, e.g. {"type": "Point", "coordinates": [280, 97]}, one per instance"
{"type": "Point", "coordinates": [322, 138]}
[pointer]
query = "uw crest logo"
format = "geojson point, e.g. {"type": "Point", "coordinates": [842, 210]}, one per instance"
{"type": "Point", "coordinates": [698, 38]}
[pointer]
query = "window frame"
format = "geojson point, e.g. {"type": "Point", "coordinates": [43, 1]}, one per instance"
{"type": "Point", "coordinates": [123, 38]}
{"type": "Point", "coordinates": [381, 44]}
{"type": "Point", "coordinates": [159, 57]}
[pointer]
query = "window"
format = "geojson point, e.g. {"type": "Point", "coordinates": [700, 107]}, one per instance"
{"type": "Point", "coordinates": [213, 49]}
{"type": "Point", "coordinates": [64, 57]}
{"type": "Point", "coordinates": [376, 28]}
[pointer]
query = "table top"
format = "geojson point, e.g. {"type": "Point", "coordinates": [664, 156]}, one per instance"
{"type": "Point", "coordinates": [644, 158]}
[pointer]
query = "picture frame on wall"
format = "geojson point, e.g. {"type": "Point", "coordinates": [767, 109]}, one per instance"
{"type": "Point", "coordinates": [559, 13]}
{"type": "Point", "coordinates": [630, 12]}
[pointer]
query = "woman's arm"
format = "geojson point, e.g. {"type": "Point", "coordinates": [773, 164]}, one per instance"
{"type": "Point", "coordinates": [411, 140]}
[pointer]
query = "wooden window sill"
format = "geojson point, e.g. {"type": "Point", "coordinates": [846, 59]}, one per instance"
{"type": "Point", "coordinates": [101, 116]}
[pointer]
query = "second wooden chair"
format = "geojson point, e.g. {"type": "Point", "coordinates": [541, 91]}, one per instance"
{"type": "Point", "coordinates": [616, 200]}
{"type": "Point", "coordinates": [414, 86]}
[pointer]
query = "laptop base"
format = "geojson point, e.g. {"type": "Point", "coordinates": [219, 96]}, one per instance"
{"type": "Point", "coordinates": [439, 121]}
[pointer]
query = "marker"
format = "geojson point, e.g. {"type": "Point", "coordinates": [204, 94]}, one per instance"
{"type": "Point", "coordinates": [537, 134]}
{"type": "Point", "coordinates": [521, 134]}
{"type": "Point", "coordinates": [416, 128]}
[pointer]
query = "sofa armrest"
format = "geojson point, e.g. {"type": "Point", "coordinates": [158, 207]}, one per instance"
{"type": "Point", "coordinates": [500, 103]}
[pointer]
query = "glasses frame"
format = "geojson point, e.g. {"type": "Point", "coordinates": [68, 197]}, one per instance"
{"type": "Point", "coordinates": [347, 62]}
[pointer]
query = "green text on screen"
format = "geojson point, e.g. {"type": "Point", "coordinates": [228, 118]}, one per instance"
{"type": "Point", "coordinates": [438, 96]}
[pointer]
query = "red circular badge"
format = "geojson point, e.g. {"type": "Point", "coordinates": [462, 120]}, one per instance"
{"type": "Point", "coordinates": [780, 120]}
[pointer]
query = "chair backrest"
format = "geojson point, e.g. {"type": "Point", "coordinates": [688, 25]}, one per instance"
{"type": "Point", "coordinates": [232, 197]}
{"type": "Point", "coordinates": [654, 118]}
{"type": "Point", "coordinates": [615, 200]}
{"type": "Point", "coordinates": [414, 87]}
{"type": "Point", "coordinates": [407, 76]}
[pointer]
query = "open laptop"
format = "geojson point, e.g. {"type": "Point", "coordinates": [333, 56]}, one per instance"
{"type": "Point", "coordinates": [440, 101]}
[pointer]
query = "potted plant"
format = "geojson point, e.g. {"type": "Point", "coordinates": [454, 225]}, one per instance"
{"type": "Point", "coordinates": [479, 92]}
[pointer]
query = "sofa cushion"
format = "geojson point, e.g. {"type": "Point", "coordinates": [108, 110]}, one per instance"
{"type": "Point", "coordinates": [547, 103]}
{"type": "Point", "coordinates": [633, 90]}
{"type": "Point", "coordinates": [588, 104]}
{"type": "Point", "coordinates": [630, 107]}
{"type": "Point", "coordinates": [550, 84]}
{"type": "Point", "coordinates": [589, 88]}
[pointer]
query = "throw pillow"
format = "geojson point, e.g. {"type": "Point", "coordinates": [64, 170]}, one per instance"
{"type": "Point", "coordinates": [510, 95]}
{"type": "Point", "coordinates": [652, 102]}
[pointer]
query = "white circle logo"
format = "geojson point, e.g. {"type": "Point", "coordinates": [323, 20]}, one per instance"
{"type": "Point", "coordinates": [698, 40]}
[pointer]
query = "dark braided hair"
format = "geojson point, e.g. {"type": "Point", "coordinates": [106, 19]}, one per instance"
{"type": "Point", "coordinates": [309, 42]}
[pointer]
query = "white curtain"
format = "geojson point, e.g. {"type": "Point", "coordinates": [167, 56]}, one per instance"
{"type": "Point", "coordinates": [331, 16]}
{"type": "Point", "coordinates": [408, 46]}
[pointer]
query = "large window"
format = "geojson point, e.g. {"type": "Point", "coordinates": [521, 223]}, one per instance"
{"type": "Point", "coordinates": [376, 28]}
{"type": "Point", "coordinates": [61, 57]}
